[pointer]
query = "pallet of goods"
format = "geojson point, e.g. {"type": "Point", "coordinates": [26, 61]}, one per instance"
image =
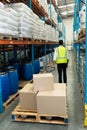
{"type": "Point", "coordinates": [42, 101]}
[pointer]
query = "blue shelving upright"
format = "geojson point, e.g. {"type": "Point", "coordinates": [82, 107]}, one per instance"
{"type": "Point", "coordinates": [77, 47]}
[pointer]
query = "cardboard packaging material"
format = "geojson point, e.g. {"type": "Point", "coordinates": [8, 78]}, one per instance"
{"type": "Point", "coordinates": [27, 98]}
{"type": "Point", "coordinates": [43, 82]}
{"type": "Point", "coordinates": [52, 102]}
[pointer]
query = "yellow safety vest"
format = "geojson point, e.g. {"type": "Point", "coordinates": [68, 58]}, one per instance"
{"type": "Point", "coordinates": [61, 55]}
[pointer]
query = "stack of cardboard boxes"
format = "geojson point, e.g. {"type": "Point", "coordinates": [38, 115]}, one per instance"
{"type": "Point", "coordinates": [44, 96]}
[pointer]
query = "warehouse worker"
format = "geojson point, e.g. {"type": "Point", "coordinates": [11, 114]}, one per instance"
{"type": "Point", "coordinates": [61, 60]}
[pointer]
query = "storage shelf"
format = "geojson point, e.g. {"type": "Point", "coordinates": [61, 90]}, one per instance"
{"type": "Point", "coordinates": [37, 8]}
{"type": "Point", "coordinates": [24, 42]}
{"type": "Point", "coordinates": [82, 40]}
{"type": "Point", "coordinates": [53, 2]}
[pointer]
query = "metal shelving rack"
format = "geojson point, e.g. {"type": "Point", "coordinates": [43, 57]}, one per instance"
{"type": "Point", "coordinates": [78, 45]}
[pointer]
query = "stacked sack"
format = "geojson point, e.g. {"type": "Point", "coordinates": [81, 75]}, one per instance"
{"type": "Point", "coordinates": [51, 9]}
{"type": "Point", "coordinates": [19, 20]}
{"type": "Point", "coordinates": [39, 28]}
{"type": "Point", "coordinates": [82, 15]}
{"type": "Point", "coordinates": [12, 21]}
{"type": "Point", "coordinates": [8, 21]}
{"type": "Point", "coordinates": [44, 4]}
{"type": "Point", "coordinates": [25, 19]}
{"type": "Point", "coordinates": [51, 33]}
{"type": "Point", "coordinates": [55, 35]}
{"type": "Point", "coordinates": [3, 17]}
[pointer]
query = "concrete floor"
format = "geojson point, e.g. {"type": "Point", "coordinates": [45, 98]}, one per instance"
{"type": "Point", "coordinates": [75, 107]}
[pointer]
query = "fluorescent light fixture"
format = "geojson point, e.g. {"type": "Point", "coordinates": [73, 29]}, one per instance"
{"type": "Point", "coordinates": [64, 13]}
{"type": "Point", "coordinates": [67, 12]}
{"type": "Point", "coordinates": [70, 4]}
{"type": "Point", "coordinates": [64, 6]}
{"type": "Point", "coordinates": [70, 11]}
{"type": "Point", "coordinates": [8, 0]}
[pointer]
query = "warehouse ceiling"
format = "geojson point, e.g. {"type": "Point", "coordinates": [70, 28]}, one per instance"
{"type": "Point", "coordinates": [66, 8]}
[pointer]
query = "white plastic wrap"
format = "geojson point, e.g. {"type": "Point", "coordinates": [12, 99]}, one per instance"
{"type": "Point", "coordinates": [44, 4]}
{"type": "Point", "coordinates": [82, 16]}
{"type": "Point", "coordinates": [29, 24]}
{"type": "Point", "coordinates": [21, 7]}
{"type": "Point", "coordinates": [75, 36]}
{"type": "Point", "coordinates": [3, 12]}
{"type": "Point", "coordinates": [2, 31]}
{"type": "Point", "coordinates": [12, 11]}
{"type": "Point", "coordinates": [25, 22]}
{"type": "Point", "coordinates": [3, 18]}
{"type": "Point", "coordinates": [3, 25]}
{"type": "Point", "coordinates": [1, 5]}
{"type": "Point", "coordinates": [12, 21]}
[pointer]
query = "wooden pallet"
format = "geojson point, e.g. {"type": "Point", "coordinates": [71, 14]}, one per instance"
{"type": "Point", "coordinates": [8, 37]}
{"type": "Point", "coordinates": [32, 116]}
{"type": "Point", "coordinates": [10, 100]}
{"type": "Point", "coordinates": [25, 39]}
{"type": "Point", "coordinates": [39, 4]}
{"type": "Point", "coordinates": [38, 40]}
{"type": "Point", "coordinates": [81, 34]}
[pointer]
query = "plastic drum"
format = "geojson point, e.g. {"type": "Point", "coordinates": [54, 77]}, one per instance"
{"type": "Point", "coordinates": [13, 80]}
{"type": "Point", "coordinates": [41, 63]}
{"type": "Point", "coordinates": [36, 67]}
{"type": "Point", "coordinates": [18, 67]}
{"type": "Point", "coordinates": [27, 71]}
{"type": "Point", "coordinates": [5, 86]}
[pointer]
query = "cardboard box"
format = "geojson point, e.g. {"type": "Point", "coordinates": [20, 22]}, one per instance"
{"type": "Point", "coordinates": [52, 102]}
{"type": "Point", "coordinates": [27, 98]}
{"type": "Point", "coordinates": [61, 86]}
{"type": "Point", "coordinates": [43, 82]}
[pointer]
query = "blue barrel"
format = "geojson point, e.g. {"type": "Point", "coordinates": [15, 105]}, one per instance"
{"type": "Point", "coordinates": [13, 80]}
{"type": "Point", "coordinates": [7, 68]}
{"type": "Point", "coordinates": [36, 66]}
{"type": "Point", "coordinates": [18, 67]}
{"type": "Point", "coordinates": [41, 63]}
{"type": "Point", "coordinates": [5, 86]}
{"type": "Point", "coordinates": [27, 71]}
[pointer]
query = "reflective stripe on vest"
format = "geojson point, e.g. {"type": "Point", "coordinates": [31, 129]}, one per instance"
{"type": "Point", "coordinates": [61, 55]}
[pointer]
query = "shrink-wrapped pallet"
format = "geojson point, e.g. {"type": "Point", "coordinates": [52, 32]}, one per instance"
{"type": "Point", "coordinates": [4, 30]}
{"type": "Point", "coordinates": [25, 19]}
{"type": "Point", "coordinates": [51, 9]}
{"type": "Point", "coordinates": [44, 4]}
{"type": "Point", "coordinates": [1, 5]}
{"type": "Point", "coordinates": [82, 15]}
{"type": "Point", "coordinates": [12, 20]}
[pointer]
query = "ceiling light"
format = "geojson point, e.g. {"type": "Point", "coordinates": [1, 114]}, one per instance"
{"type": "Point", "coordinates": [64, 13]}
{"type": "Point", "coordinates": [70, 11]}
{"type": "Point", "coordinates": [71, 4]}
{"type": "Point", "coordinates": [8, 0]}
{"type": "Point", "coordinates": [64, 6]}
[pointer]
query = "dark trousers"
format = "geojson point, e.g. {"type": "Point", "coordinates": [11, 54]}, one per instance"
{"type": "Point", "coordinates": [62, 70]}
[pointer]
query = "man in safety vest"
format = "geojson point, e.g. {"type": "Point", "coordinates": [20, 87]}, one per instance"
{"type": "Point", "coordinates": [61, 61]}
